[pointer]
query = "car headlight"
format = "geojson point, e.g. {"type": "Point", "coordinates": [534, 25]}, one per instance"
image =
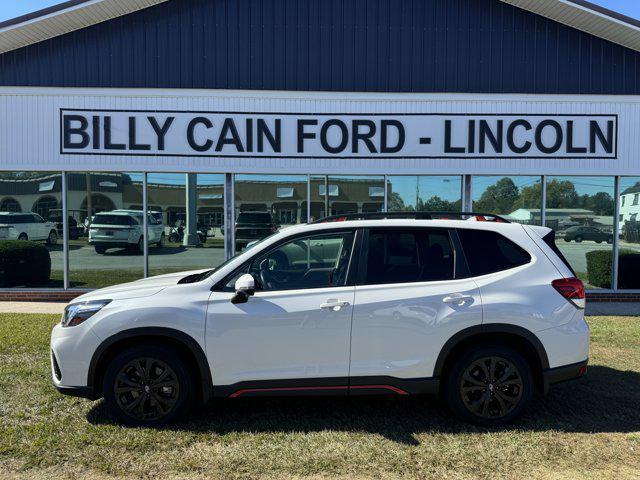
{"type": "Point", "coordinates": [76, 313]}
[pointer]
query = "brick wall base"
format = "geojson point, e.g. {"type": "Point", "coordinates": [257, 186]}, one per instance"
{"type": "Point", "coordinates": [68, 295]}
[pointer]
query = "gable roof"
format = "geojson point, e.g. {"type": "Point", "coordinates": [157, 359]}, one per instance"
{"type": "Point", "coordinates": [77, 14]}
{"type": "Point", "coordinates": [64, 18]}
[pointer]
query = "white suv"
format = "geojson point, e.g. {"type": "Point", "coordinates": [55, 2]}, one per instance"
{"type": "Point", "coordinates": [124, 229]}
{"type": "Point", "coordinates": [483, 313]}
{"type": "Point", "coordinates": [27, 226]}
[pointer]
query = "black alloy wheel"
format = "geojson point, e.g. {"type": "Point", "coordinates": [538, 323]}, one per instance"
{"type": "Point", "coordinates": [148, 386]}
{"type": "Point", "coordinates": [489, 385]}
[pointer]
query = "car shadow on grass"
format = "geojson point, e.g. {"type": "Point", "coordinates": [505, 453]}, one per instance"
{"type": "Point", "coordinates": [606, 400]}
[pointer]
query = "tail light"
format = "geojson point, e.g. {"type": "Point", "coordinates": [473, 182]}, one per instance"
{"type": "Point", "coordinates": [274, 228]}
{"type": "Point", "coordinates": [572, 289]}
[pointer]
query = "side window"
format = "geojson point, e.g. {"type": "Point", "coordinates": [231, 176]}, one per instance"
{"type": "Point", "coordinates": [315, 261]}
{"type": "Point", "coordinates": [408, 255]}
{"type": "Point", "coordinates": [489, 252]}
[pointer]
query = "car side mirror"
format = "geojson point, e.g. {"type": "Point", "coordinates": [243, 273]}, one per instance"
{"type": "Point", "coordinates": [245, 287]}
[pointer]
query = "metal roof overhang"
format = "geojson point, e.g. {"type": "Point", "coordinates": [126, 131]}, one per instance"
{"type": "Point", "coordinates": [76, 14]}
{"type": "Point", "coordinates": [64, 18]}
{"type": "Point", "coordinates": [588, 17]}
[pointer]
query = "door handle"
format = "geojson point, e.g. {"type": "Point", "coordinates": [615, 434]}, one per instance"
{"type": "Point", "coordinates": [457, 298]}
{"type": "Point", "coordinates": [334, 305]}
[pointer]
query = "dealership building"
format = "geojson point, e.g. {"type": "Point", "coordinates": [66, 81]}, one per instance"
{"type": "Point", "coordinates": [210, 114]}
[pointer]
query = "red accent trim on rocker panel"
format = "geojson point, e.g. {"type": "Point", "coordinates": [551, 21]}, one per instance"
{"type": "Point", "coordinates": [296, 389]}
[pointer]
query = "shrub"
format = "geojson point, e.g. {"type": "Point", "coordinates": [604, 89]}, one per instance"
{"type": "Point", "coordinates": [600, 267]}
{"type": "Point", "coordinates": [23, 263]}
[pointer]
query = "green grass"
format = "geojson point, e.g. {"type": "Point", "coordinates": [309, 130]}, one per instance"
{"type": "Point", "coordinates": [585, 429]}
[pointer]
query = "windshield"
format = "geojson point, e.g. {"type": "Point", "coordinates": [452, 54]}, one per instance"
{"type": "Point", "coordinates": [102, 219]}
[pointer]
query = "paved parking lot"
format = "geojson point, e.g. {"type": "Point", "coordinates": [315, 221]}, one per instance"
{"type": "Point", "coordinates": [85, 258]}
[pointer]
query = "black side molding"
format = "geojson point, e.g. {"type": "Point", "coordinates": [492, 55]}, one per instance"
{"type": "Point", "coordinates": [564, 373]}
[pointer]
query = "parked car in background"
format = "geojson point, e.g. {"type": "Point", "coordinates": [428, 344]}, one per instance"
{"type": "Point", "coordinates": [252, 226]}
{"type": "Point", "coordinates": [124, 229]}
{"type": "Point", "coordinates": [483, 313]}
{"type": "Point", "coordinates": [27, 226]}
{"type": "Point", "coordinates": [578, 234]}
{"type": "Point", "coordinates": [75, 230]}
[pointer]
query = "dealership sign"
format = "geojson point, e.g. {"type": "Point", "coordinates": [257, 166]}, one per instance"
{"type": "Point", "coordinates": [341, 135]}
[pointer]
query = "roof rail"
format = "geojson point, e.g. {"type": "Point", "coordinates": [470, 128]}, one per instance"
{"type": "Point", "coordinates": [478, 216]}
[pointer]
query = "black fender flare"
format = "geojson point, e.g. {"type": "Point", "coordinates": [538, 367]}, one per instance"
{"type": "Point", "coordinates": [189, 342]}
{"type": "Point", "coordinates": [489, 328]}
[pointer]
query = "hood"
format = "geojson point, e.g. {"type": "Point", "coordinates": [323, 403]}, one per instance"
{"type": "Point", "coordinates": [138, 289]}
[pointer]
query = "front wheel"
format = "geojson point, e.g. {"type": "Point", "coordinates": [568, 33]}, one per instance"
{"type": "Point", "coordinates": [52, 239]}
{"type": "Point", "coordinates": [489, 385]}
{"type": "Point", "coordinates": [148, 385]}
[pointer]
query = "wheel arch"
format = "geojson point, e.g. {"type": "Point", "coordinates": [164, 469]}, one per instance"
{"type": "Point", "coordinates": [176, 339]}
{"type": "Point", "coordinates": [523, 340]}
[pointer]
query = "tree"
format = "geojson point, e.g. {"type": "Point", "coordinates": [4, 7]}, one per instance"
{"type": "Point", "coordinates": [396, 203]}
{"type": "Point", "coordinates": [437, 204]}
{"type": "Point", "coordinates": [499, 197]}
{"type": "Point", "coordinates": [562, 194]}
{"type": "Point", "coordinates": [601, 203]}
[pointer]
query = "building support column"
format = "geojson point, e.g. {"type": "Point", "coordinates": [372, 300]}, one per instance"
{"type": "Point", "coordinates": [228, 220]}
{"type": "Point", "coordinates": [145, 223]}
{"type": "Point", "coordinates": [308, 198]}
{"type": "Point", "coordinates": [65, 233]}
{"type": "Point", "coordinates": [385, 206]}
{"type": "Point", "coordinates": [543, 203]}
{"type": "Point", "coordinates": [467, 202]}
{"type": "Point", "coordinates": [191, 238]}
{"type": "Point", "coordinates": [616, 230]}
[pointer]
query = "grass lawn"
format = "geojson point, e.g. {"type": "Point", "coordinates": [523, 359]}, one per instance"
{"type": "Point", "coordinates": [586, 429]}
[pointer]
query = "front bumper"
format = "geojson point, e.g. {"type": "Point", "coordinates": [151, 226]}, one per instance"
{"type": "Point", "coordinates": [564, 373]}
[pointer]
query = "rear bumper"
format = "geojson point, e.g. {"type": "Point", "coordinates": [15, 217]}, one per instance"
{"type": "Point", "coordinates": [564, 373]}
{"type": "Point", "coordinates": [110, 243]}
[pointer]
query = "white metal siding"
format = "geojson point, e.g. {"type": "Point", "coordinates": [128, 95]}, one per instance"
{"type": "Point", "coordinates": [30, 131]}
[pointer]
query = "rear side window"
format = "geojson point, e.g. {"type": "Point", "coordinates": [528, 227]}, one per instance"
{"type": "Point", "coordinates": [405, 256]}
{"type": "Point", "coordinates": [489, 252]}
{"type": "Point", "coordinates": [550, 240]}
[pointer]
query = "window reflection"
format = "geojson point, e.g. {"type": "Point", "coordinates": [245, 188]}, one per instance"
{"type": "Point", "coordinates": [31, 209]}
{"type": "Point", "coordinates": [629, 233]}
{"type": "Point", "coordinates": [580, 210]}
{"type": "Point", "coordinates": [265, 203]}
{"type": "Point", "coordinates": [517, 198]}
{"type": "Point", "coordinates": [106, 233]}
{"type": "Point", "coordinates": [344, 194]}
{"type": "Point", "coordinates": [424, 193]}
{"type": "Point", "coordinates": [185, 225]}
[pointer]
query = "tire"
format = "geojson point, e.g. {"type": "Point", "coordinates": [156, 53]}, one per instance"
{"type": "Point", "coordinates": [173, 238]}
{"type": "Point", "coordinates": [610, 240]}
{"type": "Point", "coordinates": [160, 244]}
{"type": "Point", "coordinates": [139, 248]}
{"type": "Point", "coordinates": [100, 250]}
{"type": "Point", "coordinates": [138, 402]}
{"type": "Point", "coordinates": [23, 236]}
{"type": "Point", "coordinates": [52, 239]}
{"type": "Point", "coordinates": [578, 239]}
{"type": "Point", "coordinates": [502, 403]}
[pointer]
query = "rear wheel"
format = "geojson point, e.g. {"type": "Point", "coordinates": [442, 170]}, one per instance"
{"type": "Point", "coordinates": [23, 236]}
{"type": "Point", "coordinates": [148, 385]}
{"type": "Point", "coordinates": [161, 243]}
{"type": "Point", "coordinates": [489, 385]}
{"type": "Point", "coordinates": [52, 239]}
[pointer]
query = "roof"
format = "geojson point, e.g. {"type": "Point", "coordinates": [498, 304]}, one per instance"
{"type": "Point", "coordinates": [77, 14]}
{"type": "Point", "coordinates": [632, 189]}
{"type": "Point", "coordinates": [64, 18]}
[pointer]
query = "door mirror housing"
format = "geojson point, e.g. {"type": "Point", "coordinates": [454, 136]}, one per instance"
{"type": "Point", "coordinates": [245, 287]}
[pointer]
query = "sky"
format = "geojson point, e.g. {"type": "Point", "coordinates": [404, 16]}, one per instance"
{"type": "Point", "coordinates": [11, 8]}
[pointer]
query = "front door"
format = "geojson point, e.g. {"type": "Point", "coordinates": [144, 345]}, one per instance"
{"type": "Point", "coordinates": [296, 326]}
{"type": "Point", "coordinates": [409, 301]}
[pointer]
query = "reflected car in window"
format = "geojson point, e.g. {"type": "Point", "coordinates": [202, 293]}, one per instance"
{"type": "Point", "coordinates": [594, 234]}
{"type": "Point", "coordinates": [27, 226]}
{"type": "Point", "coordinates": [124, 229]}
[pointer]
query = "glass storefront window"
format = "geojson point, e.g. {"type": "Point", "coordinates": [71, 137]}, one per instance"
{"type": "Point", "coordinates": [343, 194]}
{"type": "Point", "coordinates": [629, 233]}
{"type": "Point", "coordinates": [424, 193]}
{"type": "Point", "coordinates": [517, 198]}
{"type": "Point", "coordinates": [31, 209]}
{"type": "Point", "coordinates": [580, 210]}
{"type": "Point", "coordinates": [265, 203]}
{"type": "Point", "coordinates": [185, 222]}
{"type": "Point", "coordinates": [106, 232]}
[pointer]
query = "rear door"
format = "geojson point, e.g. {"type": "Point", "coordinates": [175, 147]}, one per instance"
{"type": "Point", "coordinates": [413, 293]}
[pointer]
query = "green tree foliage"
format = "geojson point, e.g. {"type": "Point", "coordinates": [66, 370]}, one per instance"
{"type": "Point", "coordinates": [499, 197]}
